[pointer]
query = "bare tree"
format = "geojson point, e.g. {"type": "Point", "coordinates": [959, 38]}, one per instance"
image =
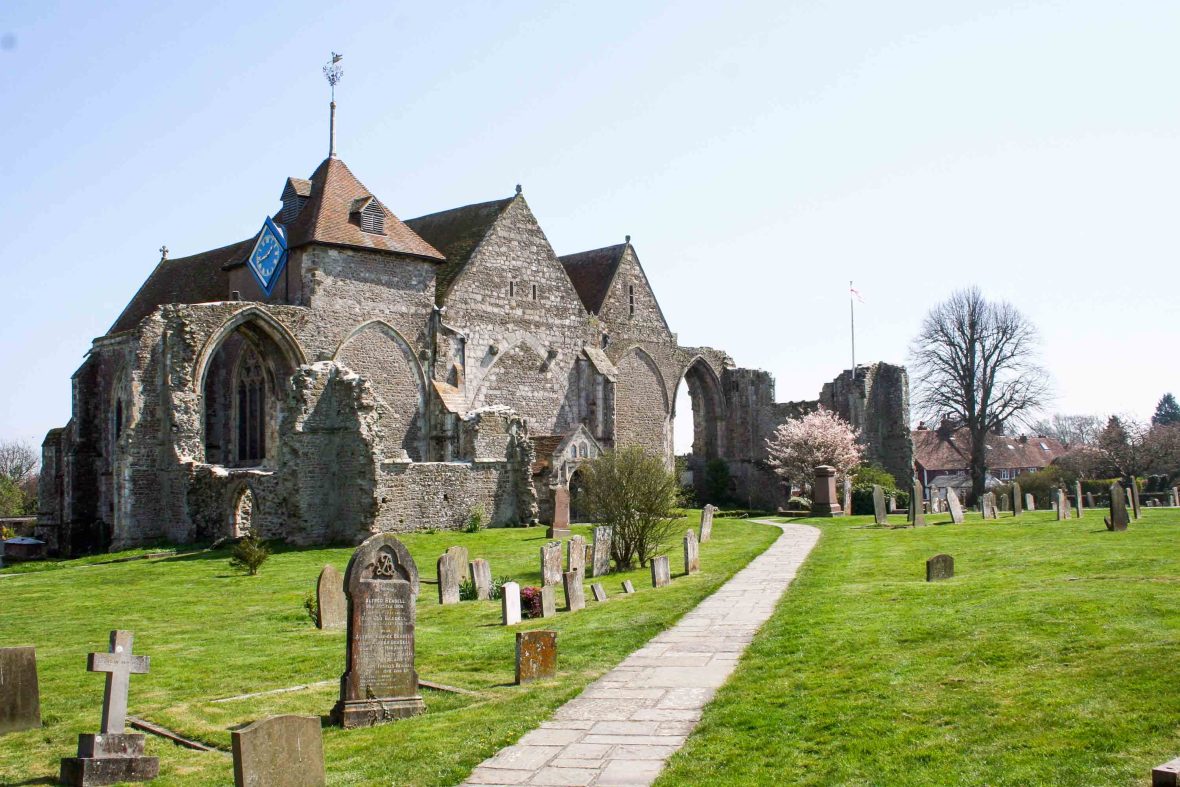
{"type": "Point", "coordinates": [975, 360]}
{"type": "Point", "coordinates": [1072, 431]}
{"type": "Point", "coordinates": [18, 460]}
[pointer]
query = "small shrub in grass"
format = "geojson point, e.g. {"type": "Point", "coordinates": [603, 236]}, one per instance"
{"type": "Point", "coordinates": [249, 554]}
{"type": "Point", "coordinates": [312, 605]}
{"type": "Point", "coordinates": [798, 503]}
{"type": "Point", "coordinates": [467, 590]}
{"type": "Point", "coordinates": [498, 586]}
{"type": "Point", "coordinates": [476, 520]}
{"type": "Point", "coordinates": [530, 602]}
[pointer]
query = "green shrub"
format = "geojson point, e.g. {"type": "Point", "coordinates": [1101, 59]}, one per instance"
{"type": "Point", "coordinates": [717, 479]}
{"type": "Point", "coordinates": [497, 588]}
{"type": "Point", "coordinates": [1042, 484]}
{"type": "Point", "coordinates": [862, 489]}
{"type": "Point", "coordinates": [467, 590]}
{"type": "Point", "coordinates": [798, 503]}
{"type": "Point", "coordinates": [476, 520]}
{"type": "Point", "coordinates": [249, 554]}
{"type": "Point", "coordinates": [312, 605]}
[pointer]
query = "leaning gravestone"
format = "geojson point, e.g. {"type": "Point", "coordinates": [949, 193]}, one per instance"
{"type": "Point", "coordinates": [1118, 518]}
{"type": "Point", "coordinates": [661, 574]}
{"type": "Point", "coordinates": [1030, 502]}
{"type": "Point", "coordinates": [1017, 499]}
{"type": "Point", "coordinates": [575, 555]}
{"type": "Point", "coordinates": [510, 603]}
{"type": "Point", "coordinates": [952, 501]}
{"type": "Point", "coordinates": [1077, 490]}
{"type": "Point", "coordinates": [940, 567]}
{"type": "Point", "coordinates": [551, 563]}
{"type": "Point", "coordinates": [536, 655]}
{"type": "Point", "coordinates": [282, 751]}
{"type": "Point", "coordinates": [879, 516]}
{"type": "Point", "coordinates": [452, 567]}
{"type": "Point", "coordinates": [20, 699]}
{"type": "Point", "coordinates": [480, 572]}
{"type": "Point", "coordinates": [331, 605]}
{"type": "Point", "coordinates": [692, 553]}
{"type": "Point", "coordinates": [548, 601]}
{"type": "Point", "coordinates": [599, 592]}
{"type": "Point", "coordinates": [917, 515]}
{"type": "Point", "coordinates": [113, 755]}
{"type": "Point", "coordinates": [379, 681]}
{"type": "Point", "coordinates": [628, 588]}
{"type": "Point", "coordinates": [575, 594]}
{"type": "Point", "coordinates": [707, 522]}
{"type": "Point", "coordinates": [602, 540]}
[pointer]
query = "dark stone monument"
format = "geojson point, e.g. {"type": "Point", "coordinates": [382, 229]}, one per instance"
{"type": "Point", "coordinates": [707, 522]}
{"type": "Point", "coordinates": [575, 594]}
{"type": "Point", "coordinates": [1118, 519]}
{"type": "Point", "coordinates": [600, 566]}
{"type": "Point", "coordinates": [551, 563]}
{"type": "Point", "coordinates": [548, 601]}
{"type": "Point", "coordinates": [1017, 499]}
{"type": "Point", "coordinates": [536, 655]}
{"type": "Point", "coordinates": [879, 515]}
{"type": "Point", "coordinates": [575, 555]}
{"type": "Point", "coordinates": [1166, 775]}
{"type": "Point", "coordinates": [510, 603]}
{"type": "Point", "coordinates": [628, 588]}
{"type": "Point", "coordinates": [952, 501]}
{"type": "Point", "coordinates": [940, 567]}
{"type": "Point", "coordinates": [1077, 491]}
{"type": "Point", "coordinates": [599, 592]}
{"type": "Point", "coordinates": [480, 572]}
{"type": "Point", "coordinates": [561, 514]}
{"type": "Point", "coordinates": [379, 682]}
{"type": "Point", "coordinates": [20, 699]}
{"type": "Point", "coordinates": [917, 514]}
{"type": "Point", "coordinates": [661, 574]}
{"type": "Point", "coordinates": [113, 755]}
{"type": "Point", "coordinates": [1135, 499]}
{"type": "Point", "coordinates": [692, 553]}
{"type": "Point", "coordinates": [331, 605]}
{"type": "Point", "coordinates": [282, 751]}
{"type": "Point", "coordinates": [823, 493]}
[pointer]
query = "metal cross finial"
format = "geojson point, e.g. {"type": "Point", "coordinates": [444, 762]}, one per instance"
{"type": "Point", "coordinates": [163, 253]}
{"type": "Point", "coordinates": [119, 665]}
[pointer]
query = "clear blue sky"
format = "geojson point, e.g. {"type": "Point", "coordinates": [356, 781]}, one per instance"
{"type": "Point", "coordinates": [761, 154]}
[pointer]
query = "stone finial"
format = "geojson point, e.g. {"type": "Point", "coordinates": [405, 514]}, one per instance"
{"type": "Point", "coordinates": [628, 238]}
{"type": "Point", "coordinates": [163, 253]}
{"type": "Point", "coordinates": [518, 188]}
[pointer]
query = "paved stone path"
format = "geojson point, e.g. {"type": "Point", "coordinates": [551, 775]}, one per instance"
{"type": "Point", "coordinates": [624, 726]}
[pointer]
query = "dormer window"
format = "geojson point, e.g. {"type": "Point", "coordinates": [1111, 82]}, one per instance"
{"type": "Point", "coordinates": [295, 196]}
{"type": "Point", "coordinates": [367, 212]}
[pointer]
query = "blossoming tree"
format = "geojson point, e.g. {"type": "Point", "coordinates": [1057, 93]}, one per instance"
{"type": "Point", "coordinates": [800, 445]}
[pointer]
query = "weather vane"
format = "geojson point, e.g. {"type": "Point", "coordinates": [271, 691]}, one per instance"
{"type": "Point", "coordinates": [333, 71]}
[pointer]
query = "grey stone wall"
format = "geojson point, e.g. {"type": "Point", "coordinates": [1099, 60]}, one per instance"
{"type": "Point", "coordinates": [876, 401]}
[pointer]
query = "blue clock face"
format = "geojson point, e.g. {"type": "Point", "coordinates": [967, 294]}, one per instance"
{"type": "Point", "coordinates": [268, 257]}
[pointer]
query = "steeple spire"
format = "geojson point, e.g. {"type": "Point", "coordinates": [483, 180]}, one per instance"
{"type": "Point", "coordinates": [332, 72]}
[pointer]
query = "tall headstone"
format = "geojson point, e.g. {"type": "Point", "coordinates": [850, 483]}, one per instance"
{"type": "Point", "coordinates": [602, 540]}
{"type": "Point", "coordinates": [599, 592]}
{"type": "Point", "coordinates": [510, 603]}
{"type": "Point", "coordinates": [1118, 518]}
{"type": "Point", "coordinates": [1077, 492]}
{"type": "Point", "coordinates": [1134, 497]}
{"type": "Point", "coordinates": [575, 555]}
{"type": "Point", "coordinates": [1017, 499]}
{"type": "Point", "coordinates": [823, 493]}
{"type": "Point", "coordinates": [379, 681]}
{"type": "Point", "coordinates": [331, 605]}
{"type": "Point", "coordinates": [987, 506]}
{"type": "Point", "coordinates": [707, 522]}
{"type": "Point", "coordinates": [879, 515]}
{"type": "Point", "coordinates": [452, 568]}
{"type": "Point", "coordinates": [561, 514]}
{"type": "Point", "coordinates": [692, 553]}
{"type": "Point", "coordinates": [548, 601]}
{"type": "Point", "coordinates": [551, 563]}
{"type": "Point", "coordinates": [1061, 505]}
{"type": "Point", "coordinates": [480, 572]}
{"type": "Point", "coordinates": [575, 594]}
{"type": "Point", "coordinates": [536, 655]}
{"type": "Point", "coordinates": [1090, 500]}
{"type": "Point", "coordinates": [1176, 495]}
{"type": "Point", "coordinates": [1003, 504]}
{"type": "Point", "coordinates": [917, 514]}
{"type": "Point", "coordinates": [661, 574]}
{"type": "Point", "coordinates": [20, 698]}
{"type": "Point", "coordinates": [1030, 502]}
{"type": "Point", "coordinates": [113, 755]}
{"type": "Point", "coordinates": [282, 751]}
{"type": "Point", "coordinates": [952, 501]}
{"type": "Point", "coordinates": [847, 495]}
{"type": "Point", "coordinates": [940, 567]}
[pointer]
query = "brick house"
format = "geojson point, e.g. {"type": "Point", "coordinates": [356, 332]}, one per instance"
{"type": "Point", "coordinates": [942, 456]}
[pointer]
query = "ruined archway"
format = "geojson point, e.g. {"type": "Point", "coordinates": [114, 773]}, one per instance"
{"type": "Point", "coordinates": [708, 404]}
{"type": "Point", "coordinates": [641, 404]}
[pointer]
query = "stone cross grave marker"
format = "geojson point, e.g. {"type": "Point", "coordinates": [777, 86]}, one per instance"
{"type": "Point", "coordinates": [847, 496]}
{"type": "Point", "coordinates": [1017, 499]}
{"type": "Point", "coordinates": [113, 755]}
{"type": "Point", "coordinates": [628, 588]}
{"type": "Point", "coordinates": [917, 515]}
{"type": "Point", "coordinates": [602, 539]}
{"type": "Point", "coordinates": [548, 601]}
{"type": "Point", "coordinates": [536, 655]}
{"type": "Point", "coordinates": [20, 698]}
{"type": "Point", "coordinates": [282, 751]}
{"type": "Point", "coordinates": [561, 514]}
{"type": "Point", "coordinates": [1077, 492]}
{"type": "Point", "coordinates": [510, 603]}
{"type": "Point", "coordinates": [940, 567]}
{"type": "Point", "coordinates": [661, 574]}
{"type": "Point", "coordinates": [1118, 519]}
{"type": "Point", "coordinates": [1030, 502]}
{"type": "Point", "coordinates": [955, 506]}
{"type": "Point", "coordinates": [707, 522]}
{"type": "Point", "coordinates": [551, 563]}
{"type": "Point", "coordinates": [599, 592]}
{"type": "Point", "coordinates": [452, 567]}
{"type": "Point", "coordinates": [692, 553]}
{"type": "Point", "coordinates": [575, 555]}
{"type": "Point", "coordinates": [575, 594]}
{"type": "Point", "coordinates": [480, 572]}
{"type": "Point", "coordinates": [879, 516]}
{"type": "Point", "coordinates": [331, 605]}
{"type": "Point", "coordinates": [379, 681]}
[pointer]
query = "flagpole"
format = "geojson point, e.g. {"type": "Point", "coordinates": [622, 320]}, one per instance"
{"type": "Point", "coordinates": [852, 325]}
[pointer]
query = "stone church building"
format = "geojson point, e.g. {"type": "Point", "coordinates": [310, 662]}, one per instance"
{"type": "Point", "coordinates": [398, 375]}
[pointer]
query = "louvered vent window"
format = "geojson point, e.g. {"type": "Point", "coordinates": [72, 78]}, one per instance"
{"type": "Point", "coordinates": [292, 206]}
{"type": "Point", "coordinates": [373, 218]}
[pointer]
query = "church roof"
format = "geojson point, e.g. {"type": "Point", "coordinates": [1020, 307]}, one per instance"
{"type": "Point", "coordinates": [457, 233]}
{"type": "Point", "coordinates": [592, 273]}
{"type": "Point", "coordinates": [326, 218]}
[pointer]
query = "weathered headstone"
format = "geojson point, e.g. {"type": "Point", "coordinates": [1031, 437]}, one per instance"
{"type": "Point", "coordinates": [823, 493]}
{"type": "Point", "coordinates": [379, 681]}
{"type": "Point", "coordinates": [1135, 499]}
{"type": "Point", "coordinates": [1090, 500]}
{"type": "Point", "coordinates": [940, 567]}
{"type": "Point", "coordinates": [599, 591]}
{"type": "Point", "coordinates": [1017, 499]}
{"type": "Point", "coordinates": [548, 601]}
{"type": "Point", "coordinates": [282, 751]}
{"type": "Point", "coordinates": [1118, 518]}
{"type": "Point", "coordinates": [879, 515]}
{"type": "Point", "coordinates": [480, 572]}
{"type": "Point", "coordinates": [847, 496]}
{"type": "Point", "coordinates": [1077, 490]}
{"type": "Point", "coordinates": [707, 522]}
{"type": "Point", "coordinates": [1003, 504]}
{"type": "Point", "coordinates": [952, 501]}
{"type": "Point", "coordinates": [536, 655]}
{"type": "Point", "coordinates": [987, 506]}
{"type": "Point", "coordinates": [917, 514]}
{"type": "Point", "coordinates": [575, 594]}
{"type": "Point", "coordinates": [891, 504]}
{"type": "Point", "coordinates": [601, 563]}
{"type": "Point", "coordinates": [331, 605]}
{"type": "Point", "coordinates": [1176, 495]}
{"type": "Point", "coordinates": [1166, 775]}
{"type": "Point", "coordinates": [692, 553]}
{"type": "Point", "coordinates": [113, 755]}
{"type": "Point", "coordinates": [452, 567]}
{"type": "Point", "coordinates": [20, 698]}
{"type": "Point", "coordinates": [551, 563]}
{"type": "Point", "coordinates": [1030, 502]}
{"type": "Point", "coordinates": [561, 514]}
{"type": "Point", "coordinates": [510, 603]}
{"type": "Point", "coordinates": [575, 555]}
{"type": "Point", "coordinates": [661, 574]}
{"type": "Point", "coordinates": [1061, 506]}
{"type": "Point", "coordinates": [628, 587]}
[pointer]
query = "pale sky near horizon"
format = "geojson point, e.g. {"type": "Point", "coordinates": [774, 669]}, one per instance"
{"type": "Point", "coordinates": [761, 155]}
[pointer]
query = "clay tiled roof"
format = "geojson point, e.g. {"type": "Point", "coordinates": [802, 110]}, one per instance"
{"type": "Point", "coordinates": [300, 186]}
{"type": "Point", "coordinates": [327, 217]}
{"type": "Point", "coordinates": [457, 234]}
{"type": "Point", "coordinates": [938, 450]}
{"type": "Point", "coordinates": [545, 445]}
{"type": "Point", "coordinates": [592, 273]}
{"type": "Point", "coordinates": [196, 279]}
{"type": "Point", "coordinates": [451, 397]}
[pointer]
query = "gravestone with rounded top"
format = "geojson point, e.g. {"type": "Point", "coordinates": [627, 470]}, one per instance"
{"type": "Point", "coordinates": [707, 522]}
{"type": "Point", "coordinates": [940, 567]}
{"type": "Point", "coordinates": [282, 751]}
{"type": "Point", "coordinates": [20, 698]}
{"type": "Point", "coordinates": [952, 501]}
{"type": "Point", "coordinates": [661, 574]}
{"type": "Point", "coordinates": [575, 555]}
{"type": "Point", "coordinates": [879, 515]}
{"type": "Point", "coordinates": [551, 563]}
{"type": "Point", "coordinates": [480, 572]}
{"type": "Point", "coordinates": [536, 655]}
{"type": "Point", "coordinates": [601, 553]}
{"type": "Point", "coordinates": [379, 682]}
{"type": "Point", "coordinates": [331, 605]}
{"type": "Point", "coordinates": [575, 594]}
{"type": "Point", "coordinates": [692, 553]}
{"type": "Point", "coordinates": [510, 603]}
{"type": "Point", "coordinates": [1118, 519]}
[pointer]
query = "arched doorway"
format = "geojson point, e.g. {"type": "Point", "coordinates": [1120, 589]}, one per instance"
{"type": "Point", "coordinates": [577, 510]}
{"type": "Point", "coordinates": [242, 523]}
{"type": "Point", "coordinates": [699, 407]}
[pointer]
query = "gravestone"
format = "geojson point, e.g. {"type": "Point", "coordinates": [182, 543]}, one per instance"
{"type": "Point", "coordinates": [987, 506]}
{"type": "Point", "coordinates": [510, 603]}
{"type": "Point", "coordinates": [940, 567]}
{"type": "Point", "coordinates": [628, 588]}
{"type": "Point", "coordinates": [1003, 505]}
{"type": "Point", "coordinates": [692, 553]}
{"type": "Point", "coordinates": [480, 572]}
{"type": "Point", "coordinates": [1176, 495]}
{"type": "Point", "coordinates": [575, 555]}
{"type": "Point", "coordinates": [1030, 502]}
{"type": "Point", "coordinates": [599, 591]}
{"type": "Point", "coordinates": [847, 496]}
{"type": "Point", "coordinates": [331, 605]}
{"type": "Point", "coordinates": [551, 563]}
{"type": "Point", "coordinates": [379, 681]}
{"type": "Point", "coordinates": [952, 501]}
{"type": "Point", "coordinates": [1077, 490]}
{"type": "Point", "coordinates": [1166, 775]}
{"type": "Point", "coordinates": [1090, 500]}
{"type": "Point", "coordinates": [452, 568]}
{"type": "Point", "coordinates": [561, 514]}
{"type": "Point", "coordinates": [575, 594]}
{"type": "Point", "coordinates": [917, 515]}
{"type": "Point", "coordinates": [113, 755]}
{"type": "Point", "coordinates": [661, 574]}
{"type": "Point", "coordinates": [20, 698]}
{"type": "Point", "coordinates": [1061, 505]}
{"type": "Point", "coordinates": [1017, 499]}
{"type": "Point", "coordinates": [600, 565]}
{"type": "Point", "coordinates": [707, 522]}
{"type": "Point", "coordinates": [536, 655]}
{"type": "Point", "coordinates": [1118, 518]}
{"type": "Point", "coordinates": [548, 601]}
{"type": "Point", "coordinates": [1135, 499]}
{"type": "Point", "coordinates": [891, 504]}
{"type": "Point", "coordinates": [879, 516]}
{"type": "Point", "coordinates": [282, 751]}
{"type": "Point", "coordinates": [823, 493]}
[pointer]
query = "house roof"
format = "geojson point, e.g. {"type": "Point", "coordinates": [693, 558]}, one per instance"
{"type": "Point", "coordinates": [326, 218]}
{"type": "Point", "coordinates": [592, 273]}
{"type": "Point", "coordinates": [457, 233]}
{"type": "Point", "coordinates": [936, 449]}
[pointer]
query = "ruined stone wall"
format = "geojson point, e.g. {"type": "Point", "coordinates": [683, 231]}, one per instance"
{"type": "Point", "coordinates": [876, 401]}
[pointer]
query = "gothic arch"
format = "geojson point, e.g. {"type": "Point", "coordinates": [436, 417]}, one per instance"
{"type": "Point", "coordinates": [258, 321]}
{"type": "Point", "coordinates": [708, 408]}
{"type": "Point", "coordinates": [641, 404]}
{"type": "Point", "coordinates": [522, 377]}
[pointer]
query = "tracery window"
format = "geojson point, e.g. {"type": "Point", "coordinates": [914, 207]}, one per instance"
{"type": "Point", "coordinates": [251, 407]}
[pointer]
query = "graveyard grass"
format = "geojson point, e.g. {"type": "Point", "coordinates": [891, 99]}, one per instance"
{"type": "Point", "coordinates": [1050, 658]}
{"type": "Point", "coordinates": [212, 632]}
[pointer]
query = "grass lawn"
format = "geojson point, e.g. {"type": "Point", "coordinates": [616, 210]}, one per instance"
{"type": "Point", "coordinates": [213, 633]}
{"type": "Point", "coordinates": [1052, 657]}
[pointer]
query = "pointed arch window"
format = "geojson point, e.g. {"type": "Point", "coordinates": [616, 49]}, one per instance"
{"type": "Point", "coordinates": [251, 407]}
